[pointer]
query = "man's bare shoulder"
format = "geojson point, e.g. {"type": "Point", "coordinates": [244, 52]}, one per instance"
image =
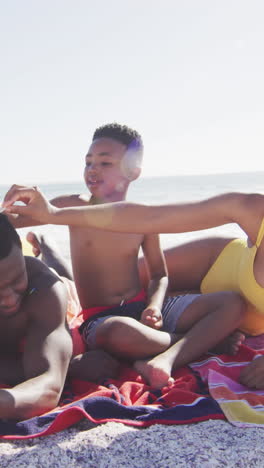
{"type": "Point", "coordinates": [75, 199]}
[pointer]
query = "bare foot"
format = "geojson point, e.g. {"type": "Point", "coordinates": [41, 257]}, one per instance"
{"type": "Point", "coordinates": [94, 366]}
{"type": "Point", "coordinates": [35, 242]}
{"type": "Point", "coordinates": [156, 371]}
{"type": "Point", "coordinates": [49, 254]}
{"type": "Point", "coordinates": [230, 345]}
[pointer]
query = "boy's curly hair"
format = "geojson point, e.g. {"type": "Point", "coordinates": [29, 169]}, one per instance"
{"type": "Point", "coordinates": [121, 133]}
{"type": "Point", "coordinates": [8, 237]}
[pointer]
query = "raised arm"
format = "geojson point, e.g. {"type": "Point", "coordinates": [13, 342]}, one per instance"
{"type": "Point", "coordinates": [47, 353]}
{"type": "Point", "coordinates": [247, 210]}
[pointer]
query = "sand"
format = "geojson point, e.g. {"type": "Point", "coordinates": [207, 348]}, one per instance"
{"type": "Point", "coordinates": [113, 445]}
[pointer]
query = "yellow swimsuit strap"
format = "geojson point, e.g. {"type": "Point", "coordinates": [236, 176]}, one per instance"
{"type": "Point", "coordinates": [260, 234]}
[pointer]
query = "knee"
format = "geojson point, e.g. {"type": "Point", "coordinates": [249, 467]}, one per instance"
{"type": "Point", "coordinates": [113, 328]}
{"type": "Point", "coordinates": [235, 303]}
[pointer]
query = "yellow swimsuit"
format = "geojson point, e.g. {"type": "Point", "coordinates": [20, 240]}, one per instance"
{"type": "Point", "coordinates": [233, 271]}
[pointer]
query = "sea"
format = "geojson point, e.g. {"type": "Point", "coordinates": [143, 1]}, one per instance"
{"type": "Point", "coordinates": [159, 190]}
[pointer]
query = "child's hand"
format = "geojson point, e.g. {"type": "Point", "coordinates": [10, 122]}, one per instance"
{"type": "Point", "coordinates": [152, 317]}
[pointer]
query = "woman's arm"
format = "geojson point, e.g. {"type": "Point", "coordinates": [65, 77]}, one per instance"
{"type": "Point", "coordinates": [247, 210]}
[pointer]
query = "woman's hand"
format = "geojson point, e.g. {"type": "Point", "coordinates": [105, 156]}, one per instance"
{"type": "Point", "coordinates": [36, 205]}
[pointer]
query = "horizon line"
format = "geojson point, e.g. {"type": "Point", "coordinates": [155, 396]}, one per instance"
{"type": "Point", "coordinates": [184, 174]}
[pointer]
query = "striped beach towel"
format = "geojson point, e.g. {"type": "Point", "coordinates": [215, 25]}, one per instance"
{"type": "Point", "coordinates": [207, 389]}
{"type": "Point", "coordinates": [241, 405]}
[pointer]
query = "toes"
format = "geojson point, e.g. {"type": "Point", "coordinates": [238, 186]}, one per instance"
{"type": "Point", "coordinates": [33, 240]}
{"type": "Point", "coordinates": [239, 336]}
{"type": "Point", "coordinates": [30, 237]}
{"type": "Point", "coordinates": [171, 382]}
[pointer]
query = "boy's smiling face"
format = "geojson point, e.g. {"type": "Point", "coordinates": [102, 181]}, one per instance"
{"type": "Point", "coordinates": [105, 173]}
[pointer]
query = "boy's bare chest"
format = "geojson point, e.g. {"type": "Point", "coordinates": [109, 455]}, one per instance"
{"type": "Point", "coordinates": [90, 240]}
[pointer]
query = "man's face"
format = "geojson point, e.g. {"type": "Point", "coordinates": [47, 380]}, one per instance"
{"type": "Point", "coordinates": [104, 173]}
{"type": "Point", "coordinates": [13, 282]}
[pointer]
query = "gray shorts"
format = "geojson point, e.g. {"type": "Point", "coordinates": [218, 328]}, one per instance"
{"type": "Point", "coordinates": [172, 309]}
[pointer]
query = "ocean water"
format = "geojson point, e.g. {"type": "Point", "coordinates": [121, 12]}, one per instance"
{"type": "Point", "coordinates": [159, 190]}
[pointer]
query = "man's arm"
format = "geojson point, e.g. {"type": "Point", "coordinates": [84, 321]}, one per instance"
{"type": "Point", "coordinates": [247, 210]}
{"type": "Point", "coordinates": [46, 357]}
{"type": "Point", "coordinates": [11, 369]}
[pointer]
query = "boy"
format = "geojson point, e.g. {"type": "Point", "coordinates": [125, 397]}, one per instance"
{"type": "Point", "coordinates": [107, 279]}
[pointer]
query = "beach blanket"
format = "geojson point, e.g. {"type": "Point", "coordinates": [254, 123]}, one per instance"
{"type": "Point", "coordinates": [208, 389]}
{"type": "Point", "coordinates": [242, 406]}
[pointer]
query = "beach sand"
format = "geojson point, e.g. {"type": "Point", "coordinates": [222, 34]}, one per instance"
{"type": "Point", "coordinates": [113, 445]}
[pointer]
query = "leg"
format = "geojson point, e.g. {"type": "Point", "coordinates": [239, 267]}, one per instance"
{"type": "Point", "coordinates": [49, 254]}
{"type": "Point", "coordinates": [94, 366]}
{"type": "Point", "coordinates": [205, 323]}
{"type": "Point", "coordinates": [188, 263]}
{"type": "Point", "coordinates": [127, 338]}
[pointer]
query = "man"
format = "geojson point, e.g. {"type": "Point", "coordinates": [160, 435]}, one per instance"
{"type": "Point", "coordinates": [35, 344]}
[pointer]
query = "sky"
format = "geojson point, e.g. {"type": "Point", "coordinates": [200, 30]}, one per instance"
{"type": "Point", "coordinates": [187, 74]}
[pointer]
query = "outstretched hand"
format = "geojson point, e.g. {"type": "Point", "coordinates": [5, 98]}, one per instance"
{"type": "Point", "coordinates": [36, 205]}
